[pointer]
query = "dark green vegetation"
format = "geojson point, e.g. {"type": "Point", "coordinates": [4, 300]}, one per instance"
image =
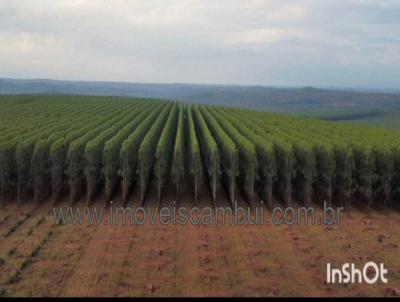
{"type": "Point", "coordinates": [344, 115]}
{"type": "Point", "coordinates": [389, 118]}
{"type": "Point", "coordinates": [86, 146]}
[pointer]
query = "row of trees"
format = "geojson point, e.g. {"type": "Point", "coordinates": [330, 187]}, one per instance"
{"type": "Point", "coordinates": [85, 147]}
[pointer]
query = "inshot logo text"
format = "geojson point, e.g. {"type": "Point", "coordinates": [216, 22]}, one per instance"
{"type": "Point", "coordinates": [370, 273]}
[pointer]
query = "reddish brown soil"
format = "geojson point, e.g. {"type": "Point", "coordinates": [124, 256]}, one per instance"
{"type": "Point", "coordinates": [190, 260]}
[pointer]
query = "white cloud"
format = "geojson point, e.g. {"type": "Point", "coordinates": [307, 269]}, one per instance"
{"type": "Point", "coordinates": [256, 36]}
{"type": "Point", "coordinates": [288, 12]}
{"type": "Point", "coordinates": [225, 41]}
{"type": "Point", "coordinates": [30, 44]}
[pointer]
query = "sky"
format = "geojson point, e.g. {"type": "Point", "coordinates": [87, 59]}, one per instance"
{"type": "Point", "coordinates": [321, 43]}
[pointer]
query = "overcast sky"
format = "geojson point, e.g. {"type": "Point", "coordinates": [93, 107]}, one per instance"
{"type": "Point", "coordinates": [342, 43]}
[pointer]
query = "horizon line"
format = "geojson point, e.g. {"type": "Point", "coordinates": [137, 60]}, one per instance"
{"type": "Point", "coordinates": [317, 87]}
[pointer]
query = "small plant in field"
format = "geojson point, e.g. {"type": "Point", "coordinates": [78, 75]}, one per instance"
{"type": "Point", "coordinates": [35, 251]}
{"type": "Point", "coordinates": [5, 219]}
{"type": "Point", "coordinates": [25, 264]}
{"type": "Point", "coordinates": [17, 225]}
{"type": "Point", "coordinates": [39, 222]}
{"type": "Point", "coordinates": [2, 261]}
{"type": "Point", "coordinates": [3, 292]}
{"type": "Point", "coordinates": [41, 244]}
{"type": "Point", "coordinates": [15, 278]}
{"type": "Point", "coordinates": [12, 251]}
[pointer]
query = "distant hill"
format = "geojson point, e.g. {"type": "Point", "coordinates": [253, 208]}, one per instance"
{"type": "Point", "coordinates": [305, 101]}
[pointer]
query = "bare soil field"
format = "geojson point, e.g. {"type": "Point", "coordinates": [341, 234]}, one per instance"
{"type": "Point", "coordinates": [41, 258]}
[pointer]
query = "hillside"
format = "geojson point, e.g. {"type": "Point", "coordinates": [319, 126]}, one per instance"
{"type": "Point", "coordinates": [252, 97]}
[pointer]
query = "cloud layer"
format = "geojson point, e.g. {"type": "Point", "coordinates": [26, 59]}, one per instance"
{"type": "Point", "coordinates": [286, 43]}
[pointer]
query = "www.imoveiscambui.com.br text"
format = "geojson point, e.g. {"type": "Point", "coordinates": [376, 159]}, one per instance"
{"type": "Point", "coordinates": [234, 215]}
